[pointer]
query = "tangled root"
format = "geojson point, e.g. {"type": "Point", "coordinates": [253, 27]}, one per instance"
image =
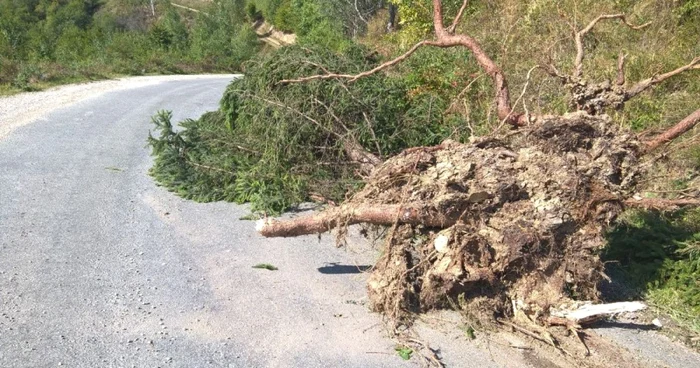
{"type": "Point", "coordinates": [532, 210]}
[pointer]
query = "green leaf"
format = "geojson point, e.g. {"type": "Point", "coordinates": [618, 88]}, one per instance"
{"type": "Point", "coordinates": [404, 352]}
{"type": "Point", "coordinates": [250, 217]}
{"type": "Point", "coordinates": [266, 266]}
{"type": "Point", "coordinates": [469, 331]}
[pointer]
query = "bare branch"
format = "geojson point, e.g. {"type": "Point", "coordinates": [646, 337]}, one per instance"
{"type": "Point", "coordinates": [333, 115]}
{"type": "Point", "coordinates": [374, 136]}
{"type": "Point", "coordinates": [359, 13]}
{"type": "Point", "coordinates": [552, 70]}
{"type": "Point", "coordinates": [387, 214]}
{"type": "Point", "coordinates": [354, 77]}
{"type": "Point", "coordinates": [578, 63]}
{"type": "Point", "coordinates": [455, 22]}
{"type": "Point", "coordinates": [674, 132]}
{"type": "Point", "coordinates": [662, 204]}
{"type": "Point", "coordinates": [444, 40]}
{"type": "Point", "coordinates": [467, 88]}
{"type": "Point", "coordinates": [307, 117]}
{"type": "Point", "coordinates": [527, 114]}
{"type": "Point", "coordinates": [643, 85]}
{"type": "Point", "coordinates": [621, 70]}
{"type": "Point", "coordinates": [353, 149]}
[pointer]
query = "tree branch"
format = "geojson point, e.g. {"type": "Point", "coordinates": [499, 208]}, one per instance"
{"type": "Point", "coordinates": [620, 70]}
{"type": "Point", "coordinates": [674, 132]}
{"type": "Point", "coordinates": [359, 13]}
{"type": "Point", "coordinates": [444, 40]}
{"type": "Point", "coordinates": [643, 85]}
{"type": "Point", "coordinates": [350, 215]}
{"type": "Point", "coordinates": [353, 150]}
{"type": "Point", "coordinates": [354, 77]}
{"type": "Point", "coordinates": [578, 63]}
{"type": "Point", "coordinates": [455, 22]}
{"type": "Point", "coordinates": [662, 204]}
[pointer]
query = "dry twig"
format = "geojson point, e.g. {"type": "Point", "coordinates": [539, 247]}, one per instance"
{"type": "Point", "coordinates": [578, 62]}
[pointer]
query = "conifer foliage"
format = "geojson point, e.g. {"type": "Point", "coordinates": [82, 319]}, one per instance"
{"type": "Point", "coordinates": [274, 145]}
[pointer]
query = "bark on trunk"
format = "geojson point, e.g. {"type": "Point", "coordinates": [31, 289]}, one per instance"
{"type": "Point", "coordinates": [376, 214]}
{"type": "Point", "coordinates": [674, 132]}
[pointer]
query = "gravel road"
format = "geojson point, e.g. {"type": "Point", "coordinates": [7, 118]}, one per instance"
{"type": "Point", "coordinates": [99, 267]}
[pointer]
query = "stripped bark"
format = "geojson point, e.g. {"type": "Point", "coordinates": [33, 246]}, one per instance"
{"type": "Point", "coordinates": [589, 313]}
{"type": "Point", "coordinates": [426, 215]}
{"type": "Point", "coordinates": [349, 215]}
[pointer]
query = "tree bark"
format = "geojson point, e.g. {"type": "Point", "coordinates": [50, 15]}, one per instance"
{"type": "Point", "coordinates": [349, 215]}
{"type": "Point", "coordinates": [444, 39]}
{"type": "Point", "coordinates": [393, 11]}
{"type": "Point", "coordinates": [662, 204]}
{"type": "Point", "coordinates": [674, 132]}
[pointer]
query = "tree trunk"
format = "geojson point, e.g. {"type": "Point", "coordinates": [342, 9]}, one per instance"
{"type": "Point", "coordinates": [350, 215]}
{"type": "Point", "coordinates": [393, 11]}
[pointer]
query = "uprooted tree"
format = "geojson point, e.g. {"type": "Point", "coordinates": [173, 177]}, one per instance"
{"type": "Point", "coordinates": [510, 224]}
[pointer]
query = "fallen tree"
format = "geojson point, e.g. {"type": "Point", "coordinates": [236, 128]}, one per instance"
{"type": "Point", "coordinates": [513, 223]}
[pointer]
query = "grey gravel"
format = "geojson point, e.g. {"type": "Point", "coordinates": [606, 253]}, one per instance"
{"type": "Point", "coordinates": [101, 268]}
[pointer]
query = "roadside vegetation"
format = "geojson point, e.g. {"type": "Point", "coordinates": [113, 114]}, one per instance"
{"type": "Point", "coordinates": [276, 143]}
{"type": "Point", "coordinates": [46, 42]}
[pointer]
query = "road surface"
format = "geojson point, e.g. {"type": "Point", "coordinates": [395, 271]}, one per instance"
{"type": "Point", "coordinates": [99, 267]}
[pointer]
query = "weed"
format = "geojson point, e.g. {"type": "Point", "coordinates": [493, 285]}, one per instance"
{"type": "Point", "coordinates": [266, 266]}
{"type": "Point", "coordinates": [404, 352]}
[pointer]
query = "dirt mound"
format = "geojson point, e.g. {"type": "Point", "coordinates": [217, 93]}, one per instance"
{"type": "Point", "coordinates": [523, 218]}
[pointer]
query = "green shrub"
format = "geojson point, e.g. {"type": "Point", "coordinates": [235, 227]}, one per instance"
{"type": "Point", "coordinates": [660, 255]}
{"type": "Point", "coordinates": [74, 45]}
{"type": "Point", "coordinates": [24, 78]}
{"type": "Point", "coordinates": [252, 12]}
{"type": "Point", "coordinates": [272, 144]}
{"type": "Point", "coordinates": [286, 17]}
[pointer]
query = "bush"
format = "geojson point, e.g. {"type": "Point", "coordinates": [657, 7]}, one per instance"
{"type": "Point", "coordinates": [75, 45]}
{"type": "Point", "coordinates": [252, 12]}
{"type": "Point", "coordinates": [660, 255]}
{"type": "Point", "coordinates": [272, 144]}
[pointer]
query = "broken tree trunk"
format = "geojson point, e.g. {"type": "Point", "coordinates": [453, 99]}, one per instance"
{"type": "Point", "coordinates": [589, 313]}
{"type": "Point", "coordinates": [349, 215]}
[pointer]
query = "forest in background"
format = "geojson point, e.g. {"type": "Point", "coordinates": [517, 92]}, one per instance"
{"type": "Point", "coordinates": [46, 42]}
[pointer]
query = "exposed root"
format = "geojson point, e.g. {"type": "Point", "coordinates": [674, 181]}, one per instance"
{"type": "Point", "coordinates": [511, 226]}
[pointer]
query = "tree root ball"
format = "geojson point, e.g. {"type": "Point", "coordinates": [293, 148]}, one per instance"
{"type": "Point", "coordinates": [530, 210]}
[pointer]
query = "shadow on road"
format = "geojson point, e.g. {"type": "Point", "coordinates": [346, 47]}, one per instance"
{"type": "Point", "coordinates": [625, 325]}
{"type": "Point", "coordinates": [336, 269]}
